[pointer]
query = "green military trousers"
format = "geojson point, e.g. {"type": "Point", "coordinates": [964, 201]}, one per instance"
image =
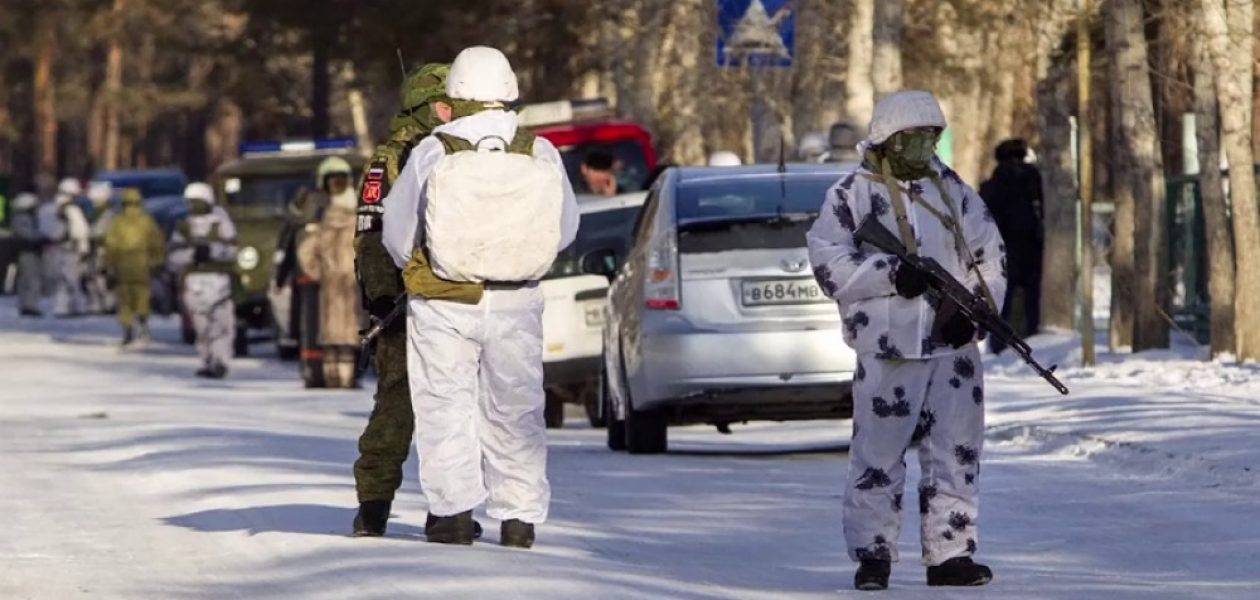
{"type": "Point", "coordinates": [386, 441]}
{"type": "Point", "coordinates": [133, 302]}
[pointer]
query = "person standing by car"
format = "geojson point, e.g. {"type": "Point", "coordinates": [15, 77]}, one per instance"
{"type": "Point", "coordinates": [919, 376]}
{"type": "Point", "coordinates": [327, 257]}
{"type": "Point", "coordinates": [134, 250]}
{"type": "Point", "coordinates": [386, 440]}
{"type": "Point", "coordinates": [1013, 195]}
{"type": "Point", "coordinates": [475, 363]}
{"type": "Point", "coordinates": [30, 283]}
{"type": "Point", "coordinates": [203, 248]}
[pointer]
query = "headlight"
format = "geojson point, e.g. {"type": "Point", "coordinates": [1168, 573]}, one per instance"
{"type": "Point", "coordinates": [247, 258]}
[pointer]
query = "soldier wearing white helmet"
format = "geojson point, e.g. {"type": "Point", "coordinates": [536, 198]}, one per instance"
{"type": "Point", "coordinates": [812, 147]}
{"type": "Point", "coordinates": [30, 282]}
{"type": "Point", "coordinates": [724, 158]}
{"type": "Point", "coordinates": [919, 375]}
{"type": "Point", "coordinates": [203, 249]}
{"type": "Point", "coordinates": [68, 239]}
{"type": "Point", "coordinates": [475, 218]}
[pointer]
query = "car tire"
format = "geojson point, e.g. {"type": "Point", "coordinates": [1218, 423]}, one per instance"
{"type": "Point", "coordinates": [286, 353]}
{"type": "Point", "coordinates": [186, 331]}
{"type": "Point", "coordinates": [592, 405]}
{"type": "Point", "coordinates": [646, 431]}
{"type": "Point", "coordinates": [616, 427]}
{"type": "Point", "coordinates": [553, 413]}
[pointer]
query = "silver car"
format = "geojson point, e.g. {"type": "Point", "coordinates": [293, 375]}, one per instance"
{"type": "Point", "coordinates": [714, 315]}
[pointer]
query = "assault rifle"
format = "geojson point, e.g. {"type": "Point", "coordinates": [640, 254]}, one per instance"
{"type": "Point", "coordinates": [368, 336]}
{"type": "Point", "coordinates": [942, 286]}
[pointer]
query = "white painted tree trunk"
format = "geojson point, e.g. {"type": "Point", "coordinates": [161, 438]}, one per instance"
{"type": "Point", "coordinates": [1220, 239]}
{"type": "Point", "coordinates": [859, 88]}
{"type": "Point", "coordinates": [886, 58]}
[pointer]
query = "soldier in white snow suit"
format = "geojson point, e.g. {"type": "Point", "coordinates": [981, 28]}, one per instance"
{"type": "Point", "coordinates": [919, 377]}
{"type": "Point", "coordinates": [204, 249]}
{"type": "Point", "coordinates": [475, 359]}
{"type": "Point", "coordinates": [68, 240]}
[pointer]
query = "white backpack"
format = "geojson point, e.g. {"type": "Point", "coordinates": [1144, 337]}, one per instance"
{"type": "Point", "coordinates": [493, 215]}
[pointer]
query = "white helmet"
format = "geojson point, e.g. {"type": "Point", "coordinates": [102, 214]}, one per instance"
{"type": "Point", "coordinates": [100, 191]}
{"type": "Point", "coordinates": [904, 110]}
{"type": "Point", "coordinates": [199, 191]}
{"type": "Point", "coordinates": [724, 158]}
{"type": "Point", "coordinates": [483, 74]}
{"type": "Point", "coordinates": [70, 187]}
{"type": "Point", "coordinates": [25, 201]}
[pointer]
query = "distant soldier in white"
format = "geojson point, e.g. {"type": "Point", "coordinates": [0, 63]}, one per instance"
{"type": "Point", "coordinates": [68, 239]}
{"type": "Point", "coordinates": [724, 158]}
{"type": "Point", "coordinates": [812, 148]}
{"type": "Point", "coordinates": [481, 200]}
{"type": "Point", "coordinates": [30, 282]}
{"type": "Point", "coordinates": [919, 377]}
{"type": "Point", "coordinates": [204, 249]}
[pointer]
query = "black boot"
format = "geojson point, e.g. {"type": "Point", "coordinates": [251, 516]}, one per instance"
{"type": "Point", "coordinates": [455, 529]}
{"type": "Point", "coordinates": [959, 571]}
{"type": "Point", "coordinates": [431, 519]}
{"type": "Point", "coordinates": [872, 575]}
{"type": "Point", "coordinates": [214, 371]}
{"type": "Point", "coordinates": [516, 533]}
{"type": "Point", "coordinates": [128, 338]}
{"type": "Point", "coordinates": [371, 518]}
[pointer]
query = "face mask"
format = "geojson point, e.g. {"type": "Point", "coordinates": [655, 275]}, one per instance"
{"type": "Point", "coordinates": [199, 207]}
{"type": "Point", "coordinates": [913, 147]}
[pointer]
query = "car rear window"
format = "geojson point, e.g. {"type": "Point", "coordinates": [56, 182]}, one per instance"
{"type": "Point", "coordinates": [149, 186]}
{"type": "Point", "coordinates": [743, 198]}
{"type": "Point", "coordinates": [609, 229]}
{"type": "Point", "coordinates": [275, 191]}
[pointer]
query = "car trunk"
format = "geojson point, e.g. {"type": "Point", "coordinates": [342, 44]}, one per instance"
{"type": "Point", "coordinates": [750, 274]}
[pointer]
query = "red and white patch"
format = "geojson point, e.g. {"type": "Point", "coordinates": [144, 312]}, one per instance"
{"type": "Point", "coordinates": [371, 191]}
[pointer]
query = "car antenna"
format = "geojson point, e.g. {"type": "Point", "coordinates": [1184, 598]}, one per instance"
{"type": "Point", "coordinates": [402, 66]}
{"type": "Point", "coordinates": [782, 179]}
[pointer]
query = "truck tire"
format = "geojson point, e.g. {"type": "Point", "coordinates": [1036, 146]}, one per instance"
{"type": "Point", "coordinates": [240, 343]}
{"type": "Point", "coordinates": [646, 431]}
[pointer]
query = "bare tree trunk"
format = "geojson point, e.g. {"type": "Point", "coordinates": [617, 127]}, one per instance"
{"type": "Point", "coordinates": [1085, 152]}
{"type": "Point", "coordinates": [113, 87]}
{"type": "Point", "coordinates": [1143, 172]}
{"type": "Point", "coordinates": [45, 97]}
{"type": "Point", "coordinates": [1220, 240]}
{"type": "Point", "coordinates": [1058, 283]}
{"type": "Point", "coordinates": [859, 88]}
{"type": "Point", "coordinates": [320, 80]}
{"type": "Point", "coordinates": [1230, 61]}
{"type": "Point", "coordinates": [1123, 261]}
{"type": "Point", "coordinates": [886, 59]}
{"type": "Point", "coordinates": [681, 111]}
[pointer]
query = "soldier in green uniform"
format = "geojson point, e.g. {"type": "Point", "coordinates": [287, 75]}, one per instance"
{"type": "Point", "coordinates": [386, 441]}
{"type": "Point", "coordinates": [134, 249]}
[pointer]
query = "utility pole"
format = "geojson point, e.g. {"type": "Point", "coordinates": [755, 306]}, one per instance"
{"type": "Point", "coordinates": [1086, 183]}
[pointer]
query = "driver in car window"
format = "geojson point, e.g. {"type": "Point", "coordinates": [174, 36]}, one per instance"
{"type": "Point", "coordinates": [599, 174]}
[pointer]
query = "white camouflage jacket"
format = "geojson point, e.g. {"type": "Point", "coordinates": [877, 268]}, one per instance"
{"type": "Point", "coordinates": [860, 279]}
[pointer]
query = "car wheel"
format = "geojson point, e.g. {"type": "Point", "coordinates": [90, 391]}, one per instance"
{"type": "Point", "coordinates": [553, 414]}
{"type": "Point", "coordinates": [616, 427]}
{"type": "Point", "coordinates": [646, 431]}
{"type": "Point", "coordinates": [286, 352]}
{"type": "Point", "coordinates": [591, 401]}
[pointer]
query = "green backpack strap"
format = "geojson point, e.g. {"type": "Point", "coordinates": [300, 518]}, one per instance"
{"type": "Point", "coordinates": [454, 144]}
{"type": "Point", "coordinates": [522, 142]}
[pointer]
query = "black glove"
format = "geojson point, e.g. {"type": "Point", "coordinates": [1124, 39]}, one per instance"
{"type": "Point", "coordinates": [380, 307]}
{"type": "Point", "coordinates": [201, 254]}
{"type": "Point", "coordinates": [909, 281]}
{"type": "Point", "coordinates": [952, 326]}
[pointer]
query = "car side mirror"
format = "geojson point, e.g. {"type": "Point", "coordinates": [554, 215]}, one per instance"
{"type": "Point", "coordinates": [600, 262]}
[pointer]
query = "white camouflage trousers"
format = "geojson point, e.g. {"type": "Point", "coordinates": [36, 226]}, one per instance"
{"type": "Point", "coordinates": [64, 269]}
{"type": "Point", "coordinates": [477, 391]}
{"type": "Point", "coordinates": [208, 298]}
{"type": "Point", "coordinates": [939, 404]}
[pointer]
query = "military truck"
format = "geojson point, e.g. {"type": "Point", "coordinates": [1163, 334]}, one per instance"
{"type": "Point", "coordinates": [275, 301]}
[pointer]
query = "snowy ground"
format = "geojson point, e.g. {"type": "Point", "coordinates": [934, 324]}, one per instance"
{"type": "Point", "coordinates": [123, 477]}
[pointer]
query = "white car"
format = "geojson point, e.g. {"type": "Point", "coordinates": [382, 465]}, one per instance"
{"type": "Point", "coordinates": [574, 315]}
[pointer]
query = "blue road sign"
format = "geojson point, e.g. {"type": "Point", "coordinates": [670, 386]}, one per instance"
{"type": "Point", "coordinates": [756, 33]}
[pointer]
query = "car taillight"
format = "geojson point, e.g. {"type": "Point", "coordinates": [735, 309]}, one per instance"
{"type": "Point", "coordinates": [661, 284]}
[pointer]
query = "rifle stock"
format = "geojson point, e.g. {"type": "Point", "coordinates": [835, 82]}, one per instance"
{"type": "Point", "coordinates": [368, 336]}
{"type": "Point", "coordinates": [943, 286]}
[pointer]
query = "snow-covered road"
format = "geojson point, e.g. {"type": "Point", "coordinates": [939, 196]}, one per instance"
{"type": "Point", "coordinates": [121, 476]}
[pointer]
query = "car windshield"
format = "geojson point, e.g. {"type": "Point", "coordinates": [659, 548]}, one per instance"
{"type": "Point", "coordinates": [149, 186]}
{"type": "Point", "coordinates": [609, 229]}
{"type": "Point", "coordinates": [741, 199]}
{"type": "Point", "coordinates": [275, 191]}
{"type": "Point", "coordinates": [629, 165]}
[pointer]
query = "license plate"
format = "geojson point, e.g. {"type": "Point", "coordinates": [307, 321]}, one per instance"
{"type": "Point", "coordinates": [780, 291]}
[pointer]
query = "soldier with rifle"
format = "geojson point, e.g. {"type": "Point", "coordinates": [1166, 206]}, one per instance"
{"type": "Point", "coordinates": [919, 375]}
